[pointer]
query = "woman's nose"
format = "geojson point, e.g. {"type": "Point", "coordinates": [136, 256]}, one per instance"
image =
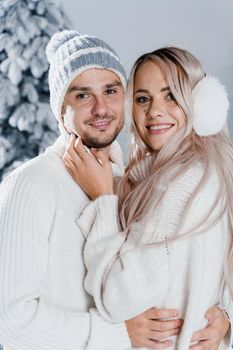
{"type": "Point", "coordinates": [157, 109]}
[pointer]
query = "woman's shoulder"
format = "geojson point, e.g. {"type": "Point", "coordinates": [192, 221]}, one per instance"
{"type": "Point", "coordinates": [195, 173]}
{"type": "Point", "coordinates": [192, 180]}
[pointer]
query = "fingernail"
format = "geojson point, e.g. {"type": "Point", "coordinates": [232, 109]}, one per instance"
{"type": "Point", "coordinates": [77, 141]}
{"type": "Point", "coordinates": [75, 133]}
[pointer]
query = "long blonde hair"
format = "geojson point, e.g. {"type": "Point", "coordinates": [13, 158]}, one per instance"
{"type": "Point", "coordinates": [183, 149]}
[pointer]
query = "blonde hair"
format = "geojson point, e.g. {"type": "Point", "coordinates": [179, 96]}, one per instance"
{"type": "Point", "coordinates": [182, 150]}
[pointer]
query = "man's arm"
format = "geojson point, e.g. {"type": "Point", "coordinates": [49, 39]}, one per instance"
{"type": "Point", "coordinates": [29, 320]}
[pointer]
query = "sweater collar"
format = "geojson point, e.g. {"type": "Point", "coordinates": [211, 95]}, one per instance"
{"type": "Point", "coordinates": [141, 169]}
{"type": "Point", "coordinates": [115, 156]}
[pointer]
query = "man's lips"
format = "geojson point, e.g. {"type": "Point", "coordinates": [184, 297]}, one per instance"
{"type": "Point", "coordinates": [157, 129]}
{"type": "Point", "coordinates": [101, 124]}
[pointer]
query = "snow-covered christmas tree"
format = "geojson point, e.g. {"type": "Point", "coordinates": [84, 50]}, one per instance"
{"type": "Point", "coordinates": [27, 126]}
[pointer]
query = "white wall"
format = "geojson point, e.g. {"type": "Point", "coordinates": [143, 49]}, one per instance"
{"type": "Point", "coordinates": [132, 27]}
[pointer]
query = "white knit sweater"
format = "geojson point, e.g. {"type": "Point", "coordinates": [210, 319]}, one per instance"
{"type": "Point", "coordinates": [43, 303]}
{"type": "Point", "coordinates": [126, 279]}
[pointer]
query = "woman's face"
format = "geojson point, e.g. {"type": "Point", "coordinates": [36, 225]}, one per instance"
{"type": "Point", "coordinates": [156, 114]}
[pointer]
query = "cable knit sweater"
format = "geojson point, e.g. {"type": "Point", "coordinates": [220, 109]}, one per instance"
{"type": "Point", "coordinates": [43, 303]}
{"type": "Point", "coordinates": [126, 278]}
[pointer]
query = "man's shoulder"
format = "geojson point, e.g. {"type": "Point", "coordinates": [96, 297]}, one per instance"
{"type": "Point", "coordinates": [40, 171]}
{"type": "Point", "coordinates": [35, 165]}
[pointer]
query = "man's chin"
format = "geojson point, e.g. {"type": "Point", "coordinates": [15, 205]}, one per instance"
{"type": "Point", "coordinates": [101, 140]}
{"type": "Point", "coordinates": [98, 144]}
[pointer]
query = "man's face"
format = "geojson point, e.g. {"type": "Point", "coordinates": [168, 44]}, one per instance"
{"type": "Point", "coordinates": [95, 101]}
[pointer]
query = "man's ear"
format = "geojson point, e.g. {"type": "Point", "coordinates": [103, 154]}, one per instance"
{"type": "Point", "coordinates": [63, 111]}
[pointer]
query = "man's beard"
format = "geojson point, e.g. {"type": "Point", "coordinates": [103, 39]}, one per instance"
{"type": "Point", "coordinates": [94, 142]}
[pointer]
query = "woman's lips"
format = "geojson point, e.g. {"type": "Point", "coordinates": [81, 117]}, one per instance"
{"type": "Point", "coordinates": [157, 129]}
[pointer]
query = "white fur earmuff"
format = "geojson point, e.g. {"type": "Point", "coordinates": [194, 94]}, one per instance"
{"type": "Point", "coordinates": [210, 106]}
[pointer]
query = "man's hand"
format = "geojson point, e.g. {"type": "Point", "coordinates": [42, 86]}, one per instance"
{"type": "Point", "coordinates": [211, 336]}
{"type": "Point", "coordinates": [150, 330]}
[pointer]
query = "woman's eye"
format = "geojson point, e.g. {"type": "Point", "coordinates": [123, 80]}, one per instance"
{"type": "Point", "coordinates": [170, 97]}
{"type": "Point", "coordinates": [142, 99]}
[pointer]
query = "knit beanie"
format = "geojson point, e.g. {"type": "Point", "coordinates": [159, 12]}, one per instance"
{"type": "Point", "coordinates": [69, 54]}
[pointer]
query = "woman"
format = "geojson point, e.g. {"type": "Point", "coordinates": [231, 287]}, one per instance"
{"type": "Point", "coordinates": [175, 201]}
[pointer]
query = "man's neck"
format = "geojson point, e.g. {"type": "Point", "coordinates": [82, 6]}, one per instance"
{"type": "Point", "coordinates": [105, 150]}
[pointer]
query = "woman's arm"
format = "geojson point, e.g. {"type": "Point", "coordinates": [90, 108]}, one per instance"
{"type": "Point", "coordinates": [218, 328]}
{"type": "Point", "coordinates": [120, 269]}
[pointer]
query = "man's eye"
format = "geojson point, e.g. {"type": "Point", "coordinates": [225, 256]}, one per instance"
{"type": "Point", "coordinates": [110, 91]}
{"type": "Point", "coordinates": [142, 99]}
{"type": "Point", "coordinates": [81, 96]}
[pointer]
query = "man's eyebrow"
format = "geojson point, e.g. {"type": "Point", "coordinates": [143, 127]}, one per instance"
{"type": "Point", "coordinates": [147, 91]}
{"type": "Point", "coordinates": [115, 83]}
{"type": "Point", "coordinates": [88, 88]}
{"type": "Point", "coordinates": [78, 88]}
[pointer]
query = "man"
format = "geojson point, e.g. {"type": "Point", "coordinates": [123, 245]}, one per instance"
{"type": "Point", "coordinates": [43, 303]}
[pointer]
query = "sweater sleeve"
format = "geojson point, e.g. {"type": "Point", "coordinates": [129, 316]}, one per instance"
{"type": "Point", "coordinates": [227, 304]}
{"type": "Point", "coordinates": [27, 320]}
{"type": "Point", "coordinates": [122, 273]}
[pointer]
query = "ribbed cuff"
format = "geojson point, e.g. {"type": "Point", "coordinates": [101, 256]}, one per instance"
{"type": "Point", "coordinates": [105, 206]}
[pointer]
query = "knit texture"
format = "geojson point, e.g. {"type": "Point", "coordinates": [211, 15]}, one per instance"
{"type": "Point", "coordinates": [43, 303]}
{"type": "Point", "coordinates": [126, 278]}
{"type": "Point", "coordinates": [69, 54]}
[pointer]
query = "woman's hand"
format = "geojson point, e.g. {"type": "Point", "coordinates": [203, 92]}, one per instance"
{"type": "Point", "coordinates": [91, 170]}
{"type": "Point", "coordinates": [152, 330]}
{"type": "Point", "coordinates": [212, 335]}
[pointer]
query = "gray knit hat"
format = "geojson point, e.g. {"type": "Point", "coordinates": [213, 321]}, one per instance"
{"type": "Point", "coordinates": [69, 54]}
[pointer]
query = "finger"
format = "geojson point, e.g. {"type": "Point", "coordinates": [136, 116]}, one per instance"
{"type": "Point", "coordinates": [154, 335]}
{"type": "Point", "coordinates": [151, 344]}
{"type": "Point", "coordinates": [203, 345]}
{"type": "Point", "coordinates": [71, 148]}
{"type": "Point", "coordinates": [70, 171]}
{"type": "Point", "coordinates": [100, 156]}
{"type": "Point", "coordinates": [73, 161]}
{"type": "Point", "coordinates": [71, 143]}
{"type": "Point", "coordinates": [164, 325]}
{"type": "Point", "coordinates": [203, 334]}
{"type": "Point", "coordinates": [67, 159]}
{"type": "Point", "coordinates": [155, 313]}
{"type": "Point", "coordinates": [81, 150]}
{"type": "Point", "coordinates": [212, 313]}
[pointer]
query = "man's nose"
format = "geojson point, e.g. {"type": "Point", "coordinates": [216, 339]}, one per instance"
{"type": "Point", "coordinates": [100, 107]}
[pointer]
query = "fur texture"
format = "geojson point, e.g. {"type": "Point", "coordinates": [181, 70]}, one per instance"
{"type": "Point", "coordinates": [210, 106]}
